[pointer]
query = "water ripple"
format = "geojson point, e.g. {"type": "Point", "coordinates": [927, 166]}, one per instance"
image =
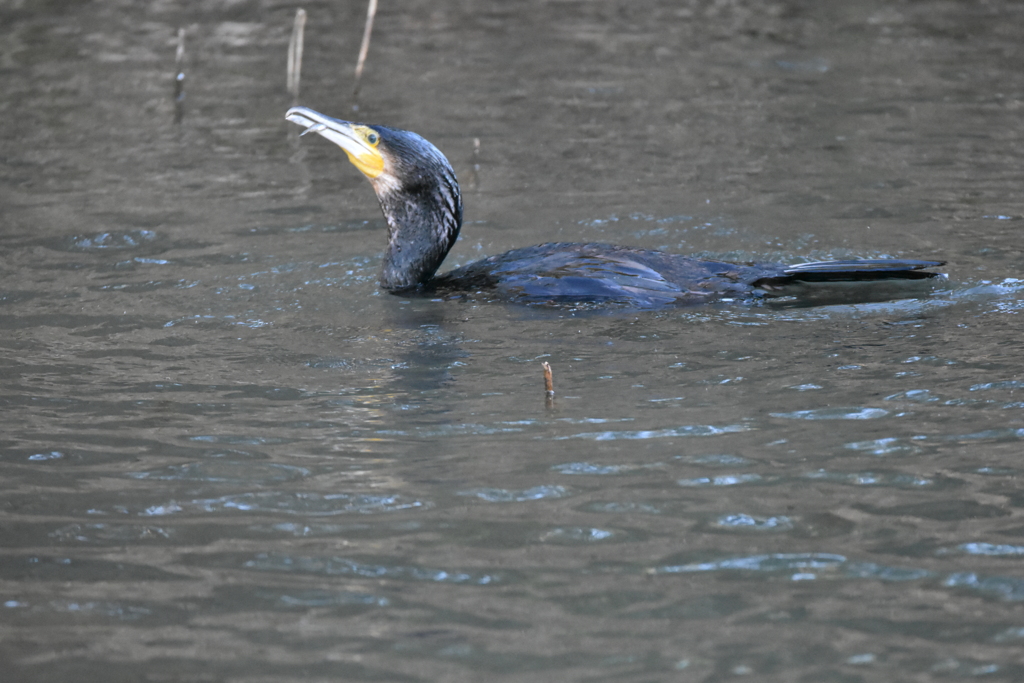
{"type": "Point", "coordinates": [722, 480]}
{"type": "Point", "coordinates": [112, 240]}
{"type": "Point", "coordinates": [292, 503]}
{"type": "Point", "coordinates": [870, 570]}
{"type": "Point", "coordinates": [310, 504]}
{"type": "Point", "coordinates": [576, 535]}
{"type": "Point", "coordinates": [450, 429]}
{"type": "Point", "coordinates": [851, 413]}
{"type": "Point", "coordinates": [802, 564]}
{"type": "Point", "coordinates": [685, 430]}
{"type": "Point", "coordinates": [340, 566]}
{"type": "Point", "coordinates": [225, 471]}
{"type": "Point", "coordinates": [991, 549]}
{"type": "Point", "coordinates": [618, 507]}
{"type": "Point", "coordinates": [110, 533]}
{"type": "Point", "coordinates": [870, 478]}
{"type": "Point", "coordinates": [102, 608]}
{"type": "Point", "coordinates": [915, 396]}
{"type": "Point", "coordinates": [1010, 385]}
{"type": "Point", "coordinates": [323, 598]}
{"type": "Point", "coordinates": [1009, 588]}
{"type": "Point", "coordinates": [494, 495]}
{"type": "Point", "coordinates": [744, 522]}
{"type": "Point", "coordinates": [592, 469]}
{"type": "Point", "coordinates": [778, 562]}
{"type": "Point", "coordinates": [884, 446]}
{"type": "Point", "coordinates": [717, 459]}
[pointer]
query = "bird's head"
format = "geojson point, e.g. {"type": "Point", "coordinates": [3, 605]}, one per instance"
{"type": "Point", "coordinates": [415, 185]}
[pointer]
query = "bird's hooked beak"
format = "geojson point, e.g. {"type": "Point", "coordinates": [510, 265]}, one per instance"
{"type": "Point", "coordinates": [359, 142]}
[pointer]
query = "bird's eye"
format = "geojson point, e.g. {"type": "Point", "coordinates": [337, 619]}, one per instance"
{"type": "Point", "coordinates": [372, 138]}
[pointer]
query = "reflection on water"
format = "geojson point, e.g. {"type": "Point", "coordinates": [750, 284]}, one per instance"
{"type": "Point", "coordinates": [227, 456]}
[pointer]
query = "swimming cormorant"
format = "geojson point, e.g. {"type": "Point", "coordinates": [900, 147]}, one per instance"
{"type": "Point", "coordinates": [420, 198]}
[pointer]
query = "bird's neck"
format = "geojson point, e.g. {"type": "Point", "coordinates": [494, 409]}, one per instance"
{"type": "Point", "coordinates": [423, 225]}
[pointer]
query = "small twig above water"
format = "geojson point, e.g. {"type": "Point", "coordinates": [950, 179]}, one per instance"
{"type": "Point", "coordinates": [295, 53]}
{"type": "Point", "coordinates": [474, 172]}
{"type": "Point", "coordinates": [549, 385]}
{"type": "Point", "coordinates": [364, 49]}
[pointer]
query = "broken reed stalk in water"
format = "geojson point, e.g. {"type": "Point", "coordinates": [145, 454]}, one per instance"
{"type": "Point", "coordinates": [295, 53]}
{"type": "Point", "coordinates": [179, 78]}
{"type": "Point", "coordinates": [179, 54]}
{"type": "Point", "coordinates": [371, 12]}
{"type": "Point", "coordinates": [474, 171]}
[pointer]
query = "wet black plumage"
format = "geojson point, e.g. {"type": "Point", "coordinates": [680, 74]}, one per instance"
{"type": "Point", "coordinates": [420, 199]}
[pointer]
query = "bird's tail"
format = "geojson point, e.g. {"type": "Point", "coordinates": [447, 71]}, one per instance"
{"type": "Point", "coordinates": [852, 270]}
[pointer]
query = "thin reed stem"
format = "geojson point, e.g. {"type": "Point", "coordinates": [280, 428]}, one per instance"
{"type": "Point", "coordinates": [364, 49]}
{"type": "Point", "coordinates": [295, 53]}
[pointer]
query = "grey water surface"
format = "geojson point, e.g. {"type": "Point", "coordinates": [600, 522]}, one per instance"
{"type": "Point", "coordinates": [226, 456]}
